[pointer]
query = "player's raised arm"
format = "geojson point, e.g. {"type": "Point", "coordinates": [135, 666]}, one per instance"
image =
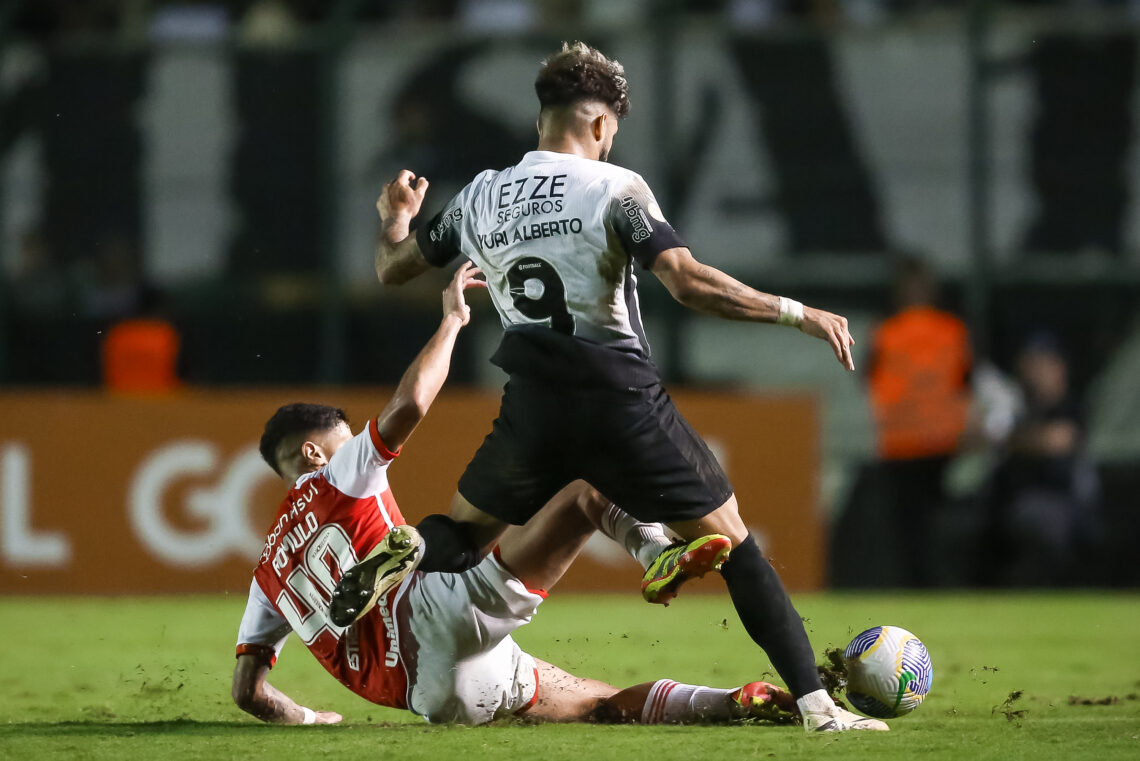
{"type": "Point", "coordinates": [424, 378]}
{"type": "Point", "coordinates": [706, 289]}
{"type": "Point", "coordinates": [257, 697]}
{"type": "Point", "coordinates": [398, 256]}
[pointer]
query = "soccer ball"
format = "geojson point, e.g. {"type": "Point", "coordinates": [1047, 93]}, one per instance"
{"type": "Point", "coordinates": [888, 672]}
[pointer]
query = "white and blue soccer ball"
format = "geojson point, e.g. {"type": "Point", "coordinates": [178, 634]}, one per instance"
{"type": "Point", "coordinates": [889, 672]}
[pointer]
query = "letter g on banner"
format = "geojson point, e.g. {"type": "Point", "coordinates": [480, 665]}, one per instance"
{"type": "Point", "coordinates": [224, 508]}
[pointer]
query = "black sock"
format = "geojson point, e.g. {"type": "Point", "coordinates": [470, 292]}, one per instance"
{"type": "Point", "coordinates": [449, 546]}
{"type": "Point", "coordinates": [769, 618]}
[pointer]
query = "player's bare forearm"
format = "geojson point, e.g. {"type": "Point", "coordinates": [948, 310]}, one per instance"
{"type": "Point", "coordinates": [419, 386]}
{"type": "Point", "coordinates": [714, 293]}
{"type": "Point", "coordinates": [707, 290]}
{"type": "Point", "coordinates": [422, 381]}
{"type": "Point", "coordinates": [398, 256]}
{"type": "Point", "coordinates": [257, 697]}
{"type": "Point", "coordinates": [270, 704]}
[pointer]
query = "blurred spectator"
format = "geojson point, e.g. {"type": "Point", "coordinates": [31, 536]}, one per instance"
{"type": "Point", "coordinates": [1043, 501]}
{"type": "Point", "coordinates": [918, 371]}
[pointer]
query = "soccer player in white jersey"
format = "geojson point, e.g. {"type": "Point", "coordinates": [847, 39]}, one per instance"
{"type": "Point", "coordinates": [560, 238]}
{"type": "Point", "coordinates": [437, 644]}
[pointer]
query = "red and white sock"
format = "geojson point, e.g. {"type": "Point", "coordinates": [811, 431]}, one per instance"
{"type": "Point", "coordinates": [671, 702]}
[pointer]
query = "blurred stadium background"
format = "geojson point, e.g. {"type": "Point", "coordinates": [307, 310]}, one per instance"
{"type": "Point", "coordinates": [204, 174]}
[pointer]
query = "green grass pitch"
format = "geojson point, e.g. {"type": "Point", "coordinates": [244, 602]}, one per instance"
{"type": "Point", "coordinates": [128, 678]}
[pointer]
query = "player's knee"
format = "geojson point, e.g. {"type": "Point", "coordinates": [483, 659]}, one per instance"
{"type": "Point", "coordinates": [474, 702]}
{"type": "Point", "coordinates": [589, 500]}
{"type": "Point", "coordinates": [449, 546]}
{"type": "Point", "coordinates": [738, 535]}
{"type": "Point", "coordinates": [726, 520]}
{"type": "Point", "coordinates": [449, 711]}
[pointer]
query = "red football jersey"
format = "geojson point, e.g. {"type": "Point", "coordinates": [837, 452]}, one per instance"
{"type": "Point", "coordinates": [329, 519]}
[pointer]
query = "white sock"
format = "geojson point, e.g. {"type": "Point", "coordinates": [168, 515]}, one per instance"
{"type": "Point", "coordinates": [816, 702]}
{"type": "Point", "coordinates": [642, 540]}
{"type": "Point", "coordinates": [671, 702]}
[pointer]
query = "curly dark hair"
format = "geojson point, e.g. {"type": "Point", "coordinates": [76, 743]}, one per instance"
{"type": "Point", "coordinates": [297, 418]}
{"type": "Point", "coordinates": [581, 73]}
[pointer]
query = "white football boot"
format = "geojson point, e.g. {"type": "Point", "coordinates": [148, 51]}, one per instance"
{"type": "Point", "coordinates": [820, 714]}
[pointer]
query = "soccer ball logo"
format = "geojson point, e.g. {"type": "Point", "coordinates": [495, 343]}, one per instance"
{"type": "Point", "coordinates": [888, 672]}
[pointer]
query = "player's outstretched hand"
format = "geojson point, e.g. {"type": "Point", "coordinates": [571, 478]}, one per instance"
{"type": "Point", "coordinates": [402, 197]}
{"type": "Point", "coordinates": [833, 329]}
{"type": "Point", "coordinates": [453, 300]}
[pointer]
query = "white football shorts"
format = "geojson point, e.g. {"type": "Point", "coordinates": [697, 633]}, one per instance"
{"type": "Point", "coordinates": [463, 665]}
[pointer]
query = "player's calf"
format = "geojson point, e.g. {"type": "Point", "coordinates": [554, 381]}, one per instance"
{"type": "Point", "coordinates": [669, 702]}
{"type": "Point", "coordinates": [389, 563]}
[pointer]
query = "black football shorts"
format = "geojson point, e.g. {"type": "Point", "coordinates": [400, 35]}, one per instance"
{"type": "Point", "coordinates": [632, 446]}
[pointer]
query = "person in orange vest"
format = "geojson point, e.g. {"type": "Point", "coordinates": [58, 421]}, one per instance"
{"type": "Point", "coordinates": [140, 354]}
{"type": "Point", "coordinates": [919, 383]}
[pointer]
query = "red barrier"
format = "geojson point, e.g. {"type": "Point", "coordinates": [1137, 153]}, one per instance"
{"type": "Point", "coordinates": [107, 495]}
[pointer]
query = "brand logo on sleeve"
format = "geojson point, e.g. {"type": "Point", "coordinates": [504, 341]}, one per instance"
{"type": "Point", "coordinates": [453, 215]}
{"type": "Point", "coordinates": [637, 220]}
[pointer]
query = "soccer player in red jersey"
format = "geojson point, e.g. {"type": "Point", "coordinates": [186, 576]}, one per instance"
{"type": "Point", "coordinates": [438, 644]}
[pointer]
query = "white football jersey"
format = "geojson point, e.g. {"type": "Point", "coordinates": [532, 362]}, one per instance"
{"type": "Point", "coordinates": [556, 237]}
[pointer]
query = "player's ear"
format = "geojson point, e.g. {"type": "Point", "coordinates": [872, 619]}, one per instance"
{"type": "Point", "coordinates": [312, 454]}
{"type": "Point", "coordinates": [598, 126]}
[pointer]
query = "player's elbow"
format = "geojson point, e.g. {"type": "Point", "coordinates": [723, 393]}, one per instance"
{"type": "Point", "coordinates": [400, 418]}
{"type": "Point", "coordinates": [681, 277]}
{"type": "Point", "coordinates": [589, 500]}
{"type": "Point", "coordinates": [388, 274]}
{"type": "Point", "coordinates": [418, 405]}
{"type": "Point", "coordinates": [243, 698]}
{"type": "Point", "coordinates": [244, 694]}
{"type": "Point", "coordinates": [686, 291]}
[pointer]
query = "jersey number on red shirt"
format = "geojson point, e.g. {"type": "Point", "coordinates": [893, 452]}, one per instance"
{"type": "Point", "coordinates": [304, 601]}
